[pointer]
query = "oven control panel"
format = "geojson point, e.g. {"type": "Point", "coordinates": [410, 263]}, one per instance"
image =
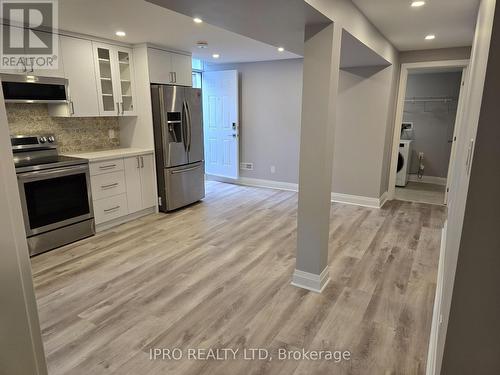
{"type": "Point", "coordinates": [21, 142]}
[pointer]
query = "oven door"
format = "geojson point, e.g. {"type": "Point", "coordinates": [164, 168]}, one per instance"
{"type": "Point", "coordinates": [55, 198]}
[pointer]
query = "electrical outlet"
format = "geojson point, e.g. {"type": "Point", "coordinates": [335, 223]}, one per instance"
{"type": "Point", "coordinates": [273, 169]}
{"type": "Point", "coordinates": [111, 134]}
{"type": "Point", "coordinates": [246, 166]}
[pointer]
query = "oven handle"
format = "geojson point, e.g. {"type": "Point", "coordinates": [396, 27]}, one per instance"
{"type": "Point", "coordinates": [51, 173]}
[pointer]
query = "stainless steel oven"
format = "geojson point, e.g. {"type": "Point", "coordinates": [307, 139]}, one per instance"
{"type": "Point", "coordinates": [55, 198]}
{"type": "Point", "coordinates": [55, 194]}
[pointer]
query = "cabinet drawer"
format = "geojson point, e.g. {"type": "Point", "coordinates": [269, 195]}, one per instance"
{"type": "Point", "coordinates": [107, 185]}
{"type": "Point", "coordinates": [110, 208]}
{"type": "Point", "coordinates": [106, 166]}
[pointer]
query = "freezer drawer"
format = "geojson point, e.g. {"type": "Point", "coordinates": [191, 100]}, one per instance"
{"type": "Point", "coordinates": [184, 185]}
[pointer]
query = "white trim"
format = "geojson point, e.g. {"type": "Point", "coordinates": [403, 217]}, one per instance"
{"type": "Point", "coordinates": [311, 281]}
{"type": "Point", "coordinates": [357, 200]}
{"type": "Point", "coordinates": [428, 179]}
{"type": "Point", "coordinates": [383, 199]}
{"type": "Point", "coordinates": [436, 313]}
{"type": "Point", "coordinates": [125, 219]}
{"type": "Point", "coordinates": [255, 182]}
{"type": "Point", "coordinates": [400, 103]}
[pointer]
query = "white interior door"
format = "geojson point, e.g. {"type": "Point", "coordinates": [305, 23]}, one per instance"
{"type": "Point", "coordinates": [458, 123]}
{"type": "Point", "coordinates": [220, 119]}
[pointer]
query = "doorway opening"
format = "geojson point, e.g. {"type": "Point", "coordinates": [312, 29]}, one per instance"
{"type": "Point", "coordinates": [428, 119]}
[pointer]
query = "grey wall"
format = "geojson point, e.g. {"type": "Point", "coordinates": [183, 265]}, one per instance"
{"type": "Point", "coordinates": [433, 122]}
{"type": "Point", "coordinates": [472, 341]}
{"type": "Point", "coordinates": [364, 114]}
{"type": "Point", "coordinates": [271, 97]}
{"type": "Point", "coordinates": [270, 110]}
{"type": "Point", "coordinates": [462, 53]}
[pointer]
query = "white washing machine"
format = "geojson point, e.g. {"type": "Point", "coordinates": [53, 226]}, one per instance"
{"type": "Point", "coordinates": [404, 162]}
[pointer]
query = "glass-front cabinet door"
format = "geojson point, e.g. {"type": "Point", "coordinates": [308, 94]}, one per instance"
{"type": "Point", "coordinates": [106, 90]}
{"type": "Point", "coordinates": [126, 83]}
{"type": "Point", "coordinates": [115, 75]}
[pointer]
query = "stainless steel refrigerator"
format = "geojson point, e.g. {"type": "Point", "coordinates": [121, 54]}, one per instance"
{"type": "Point", "coordinates": [178, 133]}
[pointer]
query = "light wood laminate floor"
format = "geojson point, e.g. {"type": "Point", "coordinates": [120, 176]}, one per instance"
{"type": "Point", "coordinates": [217, 275]}
{"type": "Point", "coordinates": [421, 193]}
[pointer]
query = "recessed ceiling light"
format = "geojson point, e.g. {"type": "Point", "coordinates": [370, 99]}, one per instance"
{"type": "Point", "coordinates": [120, 33]}
{"type": "Point", "coordinates": [215, 55]}
{"type": "Point", "coordinates": [416, 4]}
{"type": "Point", "coordinates": [281, 49]}
{"type": "Point", "coordinates": [430, 37]}
{"type": "Point", "coordinates": [197, 20]}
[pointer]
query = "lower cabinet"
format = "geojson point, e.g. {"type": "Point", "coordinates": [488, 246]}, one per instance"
{"type": "Point", "coordinates": [121, 187]}
{"type": "Point", "coordinates": [139, 174]}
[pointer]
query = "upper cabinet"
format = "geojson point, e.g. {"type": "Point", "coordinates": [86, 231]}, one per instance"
{"type": "Point", "coordinates": [169, 68]}
{"type": "Point", "coordinates": [82, 86]}
{"type": "Point", "coordinates": [115, 80]}
{"type": "Point", "coordinates": [27, 67]}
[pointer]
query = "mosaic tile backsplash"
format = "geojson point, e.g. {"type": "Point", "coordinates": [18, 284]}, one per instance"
{"type": "Point", "coordinates": [73, 134]}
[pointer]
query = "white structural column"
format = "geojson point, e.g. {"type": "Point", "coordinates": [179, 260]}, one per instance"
{"type": "Point", "coordinates": [319, 97]}
{"type": "Point", "coordinates": [21, 349]}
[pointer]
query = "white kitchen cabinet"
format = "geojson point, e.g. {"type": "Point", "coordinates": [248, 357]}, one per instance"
{"type": "Point", "coordinates": [111, 208]}
{"type": "Point", "coordinates": [28, 69]}
{"type": "Point", "coordinates": [169, 68]}
{"type": "Point", "coordinates": [115, 80]}
{"type": "Point", "coordinates": [58, 72]}
{"type": "Point", "coordinates": [82, 86]}
{"type": "Point", "coordinates": [140, 180]}
{"type": "Point", "coordinates": [160, 66]}
{"type": "Point", "coordinates": [182, 67]}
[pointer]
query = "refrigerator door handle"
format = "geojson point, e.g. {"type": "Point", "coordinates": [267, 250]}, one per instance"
{"type": "Point", "coordinates": [184, 126]}
{"type": "Point", "coordinates": [186, 170]}
{"type": "Point", "coordinates": [189, 126]}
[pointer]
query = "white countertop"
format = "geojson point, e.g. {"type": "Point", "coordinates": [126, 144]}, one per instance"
{"type": "Point", "coordinates": [110, 154]}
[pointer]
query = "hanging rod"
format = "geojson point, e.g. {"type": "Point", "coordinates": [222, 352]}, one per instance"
{"type": "Point", "coordinates": [431, 99]}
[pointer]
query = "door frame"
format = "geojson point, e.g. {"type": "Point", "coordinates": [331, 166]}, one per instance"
{"type": "Point", "coordinates": [403, 80]}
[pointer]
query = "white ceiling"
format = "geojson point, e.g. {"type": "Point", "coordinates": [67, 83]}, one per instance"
{"type": "Point", "coordinates": [452, 21]}
{"type": "Point", "coordinates": [145, 22]}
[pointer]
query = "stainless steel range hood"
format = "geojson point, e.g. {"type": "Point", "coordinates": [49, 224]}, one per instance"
{"type": "Point", "coordinates": [20, 88]}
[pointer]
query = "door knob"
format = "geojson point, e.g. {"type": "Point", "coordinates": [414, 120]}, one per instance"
{"type": "Point", "coordinates": [234, 135]}
{"type": "Point", "coordinates": [234, 126]}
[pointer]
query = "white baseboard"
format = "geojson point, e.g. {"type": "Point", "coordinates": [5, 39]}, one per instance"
{"type": "Point", "coordinates": [359, 200]}
{"type": "Point", "coordinates": [256, 182]}
{"type": "Point", "coordinates": [288, 186]}
{"type": "Point", "coordinates": [125, 219]}
{"type": "Point", "coordinates": [311, 281]}
{"type": "Point", "coordinates": [428, 179]}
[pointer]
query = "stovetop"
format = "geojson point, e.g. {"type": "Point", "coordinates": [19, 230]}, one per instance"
{"type": "Point", "coordinates": [38, 152]}
{"type": "Point", "coordinates": [24, 164]}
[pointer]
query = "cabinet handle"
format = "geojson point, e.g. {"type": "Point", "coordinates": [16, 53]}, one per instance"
{"type": "Point", "coordinates": [123, 109]}
{"type": "Point", "coordinates": [175, 77]}
{"type": "Point", "coordinates": [138, 165]}
{"type": "Point", "coordinates": [109, 166]}
{"type": "Point", "coordinates": [109, 186]}
{"type": "Point", "coordinates": [118, 108]}
{"type": "Point", "coordinates": [112, 209]}
{"type": "Point", "coordinates": [142, 162]}
{"type": "Point", "coordinates": [72, 107]}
